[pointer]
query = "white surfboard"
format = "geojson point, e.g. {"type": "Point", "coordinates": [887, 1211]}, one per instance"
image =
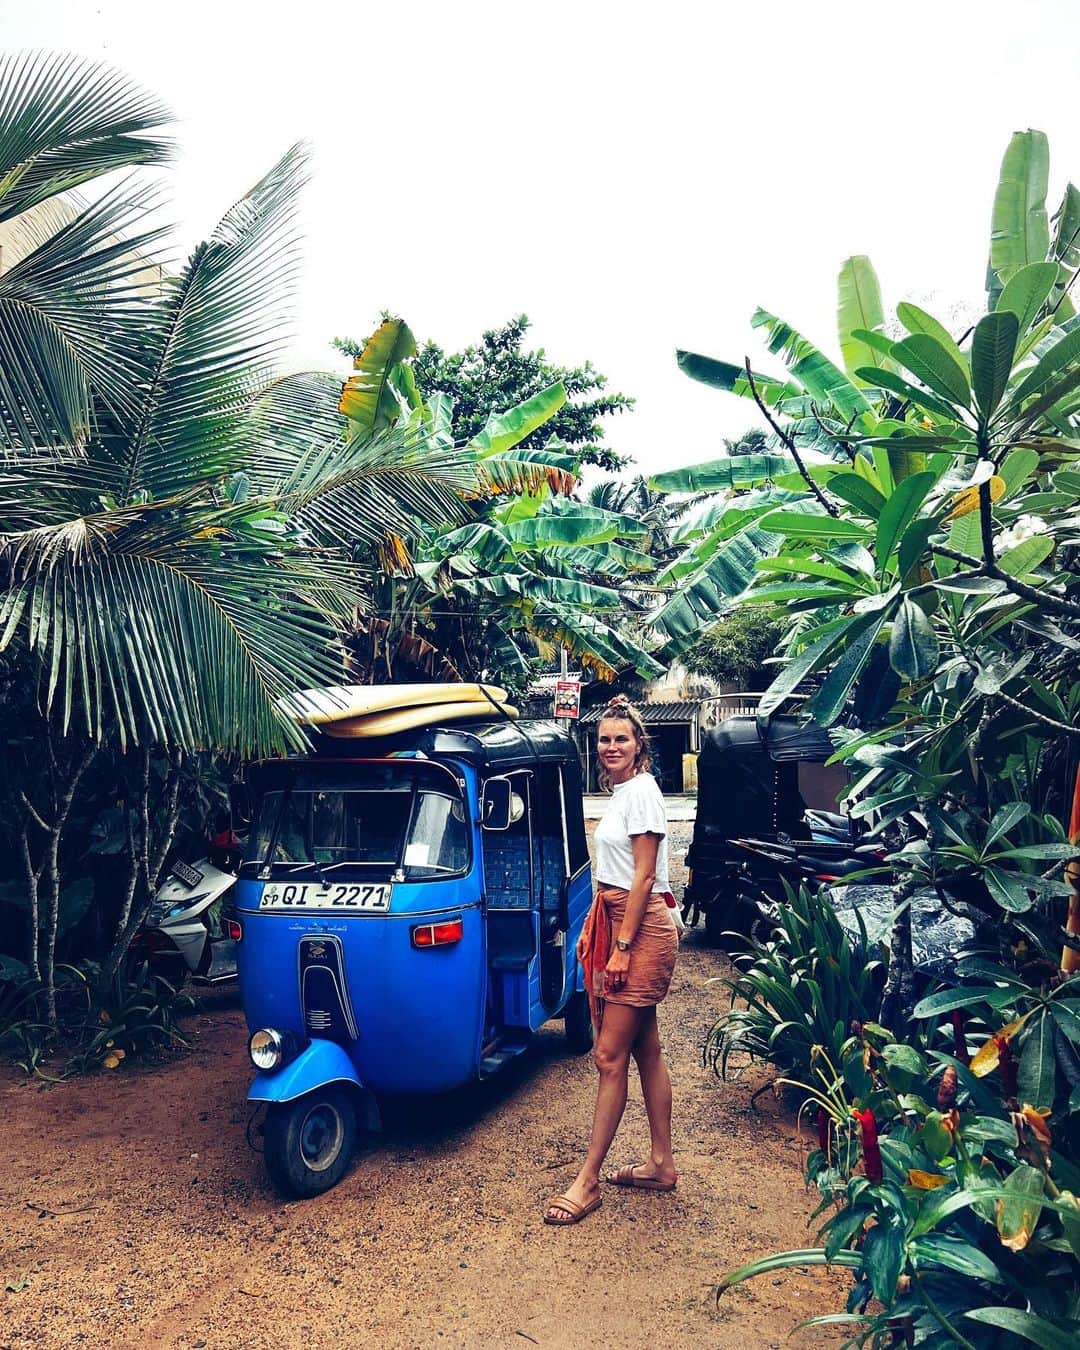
{"type": "Point", "coordinates": [408, 719]}
{"type": "Point", "coordinates": [346, 702]}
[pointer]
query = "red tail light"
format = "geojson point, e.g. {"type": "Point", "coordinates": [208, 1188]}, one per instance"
{"type": "Point", "coordinates": [233, 929]}
{"type": "Point", "coordinates": [438, 934]}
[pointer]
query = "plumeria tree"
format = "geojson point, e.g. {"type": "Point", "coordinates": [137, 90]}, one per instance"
{"type": "Point", "coordinates": [921, 560]}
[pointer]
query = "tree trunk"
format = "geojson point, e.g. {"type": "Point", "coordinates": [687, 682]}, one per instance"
{"type": "Point", "coordinates": [144, 862]}
{"type": "Point", "coordinates": [51, 874]}
{"type": "Point", "coordinates": [900, 983]}
{"type": "Point", "coordinates": [33, 877]}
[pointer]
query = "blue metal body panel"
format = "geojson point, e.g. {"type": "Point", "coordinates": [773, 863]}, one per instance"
{"type": "Point", "coordinates": [419, 1013]}
{"type": "Point", "coordinates": [320, 1063]}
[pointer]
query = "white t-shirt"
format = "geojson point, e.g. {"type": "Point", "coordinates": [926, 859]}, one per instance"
{"type": "Point", "coordinates": [636, 807]}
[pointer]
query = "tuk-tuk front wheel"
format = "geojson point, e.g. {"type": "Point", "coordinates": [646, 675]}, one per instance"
{"type": "Point", "coordinates": [308, 1142]}
{"type": "Point", "coordinates": [578, 1024]}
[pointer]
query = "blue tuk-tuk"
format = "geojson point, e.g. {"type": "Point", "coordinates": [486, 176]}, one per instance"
{"type": "Point", "coordinates": [407, 911]}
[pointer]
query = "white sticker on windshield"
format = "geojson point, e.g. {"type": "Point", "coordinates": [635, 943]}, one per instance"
{"type": "Point", "coordinates": [417, 855]}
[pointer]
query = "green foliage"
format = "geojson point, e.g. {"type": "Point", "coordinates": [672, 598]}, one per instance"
{"type": "Point", "coordinates": [959, 1217]}
{"type": "Point", "coordinates": [796, 993]}
{"type": "Point", "coordinates": [926, 590]}
{"type": "Point", "coordinates": [157, 574]}
{"type": "Point", "coordinates": [734, 650]}
{"type": "Point", "coordinates": [136, 1012]}
{"type": "Point", "coordinates": [487, 591]}
{"type": "Point", "coordinates": [498, 372]}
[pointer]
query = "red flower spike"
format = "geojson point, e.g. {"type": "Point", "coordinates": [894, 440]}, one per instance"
{"type": "Point", "coordinates": [868, 1130]}
{"type": "Point", "coordinates": [946, 1093]}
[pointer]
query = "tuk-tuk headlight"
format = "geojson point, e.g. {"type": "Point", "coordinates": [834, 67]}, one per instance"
{"type": "Point", "coordinates": [266, 1049]}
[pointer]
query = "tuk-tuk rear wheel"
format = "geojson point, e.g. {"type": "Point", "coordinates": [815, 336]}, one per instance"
{"type": "Point", "coordinates": [309, 1142]}
{"type": "Point", "coordinates": [578, 1024]}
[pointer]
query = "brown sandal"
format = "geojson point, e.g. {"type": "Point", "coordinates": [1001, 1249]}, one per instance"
{"type": "Point", "coordinates": [627, 1176]}
{"type": "Point", "coordinates": [574, 1212]}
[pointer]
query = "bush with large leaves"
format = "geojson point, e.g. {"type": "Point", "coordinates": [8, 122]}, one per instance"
{"type": "Point", "coordinates": [521, 567]}
{"type": "Point", "coordinates": [923, 570]}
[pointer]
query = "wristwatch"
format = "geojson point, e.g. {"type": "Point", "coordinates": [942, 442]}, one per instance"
{"type": "Point", "coordinates": [622, 944]}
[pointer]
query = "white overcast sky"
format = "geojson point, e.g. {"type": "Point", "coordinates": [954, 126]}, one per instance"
{"type": "Point", "coordinates": [634, 177]}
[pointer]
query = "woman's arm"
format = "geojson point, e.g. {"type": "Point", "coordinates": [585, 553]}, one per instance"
{"type": "Point", "coordinates": [645, 848]}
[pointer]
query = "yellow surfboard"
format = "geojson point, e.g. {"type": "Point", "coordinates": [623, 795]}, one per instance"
{"type": "Point", "coordinates": [408, 719]}
{"type": "Point", "coordinates": [347, 702]}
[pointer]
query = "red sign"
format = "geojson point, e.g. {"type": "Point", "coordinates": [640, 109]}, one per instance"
{"type": "Point", "coordinates": [567, 698]}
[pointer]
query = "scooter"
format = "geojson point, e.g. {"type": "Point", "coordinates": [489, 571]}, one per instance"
{"type": "Point", "coordinates": [188, 930]}
{"type": "Point", "coordinates": [829, 827]}
{"type": "Point", "coordinates": [769, 864]}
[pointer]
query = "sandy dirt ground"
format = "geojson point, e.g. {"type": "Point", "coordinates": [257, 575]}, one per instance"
{"type": "Point", "coordinates": [133, 1213]}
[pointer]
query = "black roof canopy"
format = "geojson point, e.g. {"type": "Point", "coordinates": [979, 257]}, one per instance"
{"type": "Point", "coordinates": [490, 746]}
{"type": "Point", "coordinates": [748, 782]}
{"type": "Point", "coordinates": [785, 739]}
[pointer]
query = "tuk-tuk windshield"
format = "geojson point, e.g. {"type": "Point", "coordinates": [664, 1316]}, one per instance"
{"type": "Point", "coordinates": [383, 823]}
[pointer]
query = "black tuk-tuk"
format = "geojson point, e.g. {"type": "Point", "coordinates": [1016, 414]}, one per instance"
{"type": "Point", "coordinates": [754, 782]}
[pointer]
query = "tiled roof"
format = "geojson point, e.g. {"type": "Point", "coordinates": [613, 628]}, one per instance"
{"type": "Point", "coordinates": [652, 714]}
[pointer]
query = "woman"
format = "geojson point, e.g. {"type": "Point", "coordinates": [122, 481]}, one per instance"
{"type": "Point", "coordinates": [628, 950]}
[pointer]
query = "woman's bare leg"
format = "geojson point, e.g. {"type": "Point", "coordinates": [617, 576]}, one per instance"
{"type": "Point", "coordinates": [618, 1033]}
{"type": "Point", "coordinates": [656, 1089]}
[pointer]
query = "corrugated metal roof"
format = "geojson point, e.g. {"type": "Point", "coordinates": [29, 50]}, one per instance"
{"type": "Point", "coordinates": [652, 714]}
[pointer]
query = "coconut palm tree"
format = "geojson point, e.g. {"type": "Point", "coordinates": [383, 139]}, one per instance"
{"type": "Point", "coordinates": [171, 507]}
{"type": "Point", "coordinates": [156, 560]}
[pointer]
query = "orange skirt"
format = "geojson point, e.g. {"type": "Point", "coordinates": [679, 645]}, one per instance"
{"type": "Point", "coordinates": [652, 957]}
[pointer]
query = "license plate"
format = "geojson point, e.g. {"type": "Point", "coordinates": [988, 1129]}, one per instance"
{"type": "Point", "coordinates": [190, 876]}
{"type": "Point", "coordinates": [338, 896]}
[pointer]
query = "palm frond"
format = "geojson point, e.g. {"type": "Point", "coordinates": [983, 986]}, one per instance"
{"type": "Point", "coordinates": [156, 622]}
{"type": "Point", "coordinates": [364, 489]}
{"type": "Point", "coordinates": [289, 419]}
{"type": "Point", "coordinates": [211, 338]}
{"type": "Point", "coordinates": [66, 120]}
{"type": "Point", "coordinates": [68, 311]}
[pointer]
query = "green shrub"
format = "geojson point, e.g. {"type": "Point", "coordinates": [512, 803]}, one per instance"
{"type": "Point", "coordinates": [138, 1011]}
{"type": "Point", "coordinates": [796, 994]}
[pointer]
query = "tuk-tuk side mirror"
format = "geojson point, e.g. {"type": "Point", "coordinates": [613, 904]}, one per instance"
{"type": "Point", "coordinates": [500, 805]}
{"type": "Point", "coordinates": [495, 804]}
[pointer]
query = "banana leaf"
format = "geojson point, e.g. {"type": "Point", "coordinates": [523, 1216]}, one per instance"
{"type": "Point", "coordinates": [1065, 251]}
{"type": "Point", "coordinates": [859, 308]}
{"type": "Point", "coordinates": [821, 379]}
{"type": "Point", "coordinates": [1020, 231]}
{"type": "Point", "coordinates": [502, 431]}
{"type": "Point", "coordinates": [369, 398]}
{"type": "Point", "coordinates": [732, 379]}
{"type": "Point", "coordinates": [729, 471]}
{"type": "Point", "coordinates": [706, 594]}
